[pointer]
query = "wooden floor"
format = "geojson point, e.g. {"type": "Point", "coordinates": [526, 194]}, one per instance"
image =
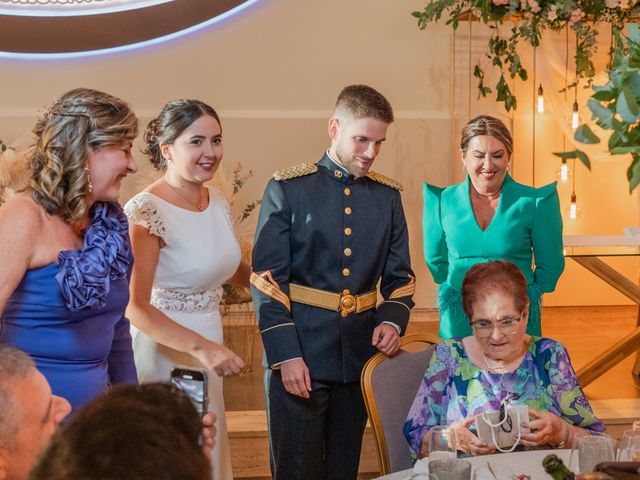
{"type": "Point", "coordinates": [585, 331]}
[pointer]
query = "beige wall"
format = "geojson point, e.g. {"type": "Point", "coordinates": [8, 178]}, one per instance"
{"type": "Point", "coordinates": [273, 73]}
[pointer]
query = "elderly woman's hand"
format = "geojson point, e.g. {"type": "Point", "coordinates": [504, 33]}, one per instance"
{"type": "Point", "coordinates": [546, 429]}
{"type": "Point", "coordinates": [467, 441]}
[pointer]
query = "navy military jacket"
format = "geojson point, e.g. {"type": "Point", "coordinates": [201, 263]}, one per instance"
{"type": "Point", "coordinates": [330, 231]}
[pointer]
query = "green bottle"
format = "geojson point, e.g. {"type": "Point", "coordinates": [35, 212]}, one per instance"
{"type": "Point", "coordinates": [555, 467]}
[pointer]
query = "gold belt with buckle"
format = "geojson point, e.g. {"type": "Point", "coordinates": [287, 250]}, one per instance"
{"type": "Point", "coordinates": [344, 302]}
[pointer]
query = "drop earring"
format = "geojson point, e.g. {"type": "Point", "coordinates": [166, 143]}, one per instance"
{"type": "Point", "coordinates": [89, 184]}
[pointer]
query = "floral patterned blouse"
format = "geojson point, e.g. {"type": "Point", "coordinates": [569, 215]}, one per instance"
{"type": "Point", "coordinates": [454, 388]}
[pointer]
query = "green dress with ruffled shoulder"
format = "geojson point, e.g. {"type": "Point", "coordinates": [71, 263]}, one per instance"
{"type": "Point", "coordinates": [526, 230]}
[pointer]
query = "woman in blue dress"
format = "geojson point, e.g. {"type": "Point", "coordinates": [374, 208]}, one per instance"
{"type": "Point", "coordinates": [66, 252]}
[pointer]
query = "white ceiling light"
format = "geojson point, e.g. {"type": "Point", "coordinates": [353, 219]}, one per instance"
{"type": "Point", "coordinates": [63, 8]}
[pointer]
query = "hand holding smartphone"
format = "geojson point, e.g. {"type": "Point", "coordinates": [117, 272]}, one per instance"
{"type": "Point", "coordinates": [194, 383]}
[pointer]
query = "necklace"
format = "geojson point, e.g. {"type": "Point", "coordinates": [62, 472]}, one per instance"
{"type": "Point", "coordinates": [200, 206]}
{"type": "Point", "coordinates": [505, 366]}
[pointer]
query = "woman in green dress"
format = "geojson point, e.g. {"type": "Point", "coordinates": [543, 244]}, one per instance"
{"type": "Point", "coordinates": [488, 217]}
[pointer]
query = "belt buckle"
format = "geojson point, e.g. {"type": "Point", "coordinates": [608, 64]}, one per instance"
{"type": "Point", "coordinates": [347, 304]}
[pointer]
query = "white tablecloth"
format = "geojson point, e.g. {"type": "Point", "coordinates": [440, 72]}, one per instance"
{"type": "Point", "coordinates": [529, 463]}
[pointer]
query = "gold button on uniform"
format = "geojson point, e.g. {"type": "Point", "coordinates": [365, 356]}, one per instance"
{"type": "Point", "coordinates": [346, 272]}
{"type": "Point", "coordinates": [347, 252]}
{"type": "Point", "coordinates": [337, 173]}
{"type": "Point", "coordinates": [347, 191]}
{"type": "Point", "coordinates": [347, 210]}
{"type": "Point", "coordinates": [347, 231]}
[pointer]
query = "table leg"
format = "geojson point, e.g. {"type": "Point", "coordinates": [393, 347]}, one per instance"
{"type": "Point", "coordinates": [609, 358]}
{"type": "Point", "coordinates": [628, 344]}
{"type": "Point", "coordinates": [636, 366]}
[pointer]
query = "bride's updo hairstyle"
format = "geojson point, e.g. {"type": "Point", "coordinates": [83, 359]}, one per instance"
{"type": "Point", "coordinates": [488, 277]}
{"type": "Point", "coordinates": [175, 117]}
{"type": "Point", "coordinates": [79, 121]}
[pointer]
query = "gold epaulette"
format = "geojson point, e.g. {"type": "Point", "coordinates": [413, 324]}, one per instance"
{"type": "Point", "coordinates": [389, 182]}
{"type": "Point", "coordinates": [296, 171]}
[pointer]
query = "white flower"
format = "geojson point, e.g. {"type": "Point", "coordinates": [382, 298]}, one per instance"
{"type": "Point", "coordinates": [611, 3]}
{"type": "Point", "coordinates": [534, 6]}
{"type": "Point", "coordinates": [553, 13]}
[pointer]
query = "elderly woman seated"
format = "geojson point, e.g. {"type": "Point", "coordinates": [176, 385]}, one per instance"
{"type": "Point", "coordinates": [475, 374]}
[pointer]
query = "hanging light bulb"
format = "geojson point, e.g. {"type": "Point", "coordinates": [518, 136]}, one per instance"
{"type": "Point", "coordinates": [564, 172]}
{"type": "Point", "coordinates": [540, 99]}
{"type": "Point", "coordinates": [574, 116]}
{"type": "Point", "coordinates": [573, 211]}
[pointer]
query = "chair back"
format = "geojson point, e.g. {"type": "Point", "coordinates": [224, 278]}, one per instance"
{"type": "Point", "coordinates": [389, 386]}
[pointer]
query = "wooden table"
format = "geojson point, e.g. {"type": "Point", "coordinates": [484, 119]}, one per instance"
{"type": "Point", "coordinates": [588, 251]}
{"type": "Point", "coordinates": [529, 463]}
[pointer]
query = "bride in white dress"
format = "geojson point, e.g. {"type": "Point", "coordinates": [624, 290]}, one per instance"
{"type": "Point", "coordinates": [184, 249]}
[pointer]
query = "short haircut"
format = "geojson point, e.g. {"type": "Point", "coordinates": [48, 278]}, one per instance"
{"type": "Point", "coordinates": [488, 277]}
{"type": "Point", "coordinates": [486, 125]}
{"type": "Point", "coordinates": [14, 364]}
{"type": "Point", "coordinates": [362, 101]}
{"type": "Point", "coordinates": [133, 432]}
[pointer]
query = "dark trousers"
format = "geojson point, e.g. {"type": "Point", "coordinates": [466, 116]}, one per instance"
{"type": "Point", "coordinates": [319, 438]}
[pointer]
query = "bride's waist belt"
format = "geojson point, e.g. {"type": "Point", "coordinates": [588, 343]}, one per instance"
{"type": "Point", "coordinates": [187, 301]}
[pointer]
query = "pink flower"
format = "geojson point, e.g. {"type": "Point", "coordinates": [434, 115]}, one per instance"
{"type": "Point", "coordinates": [499, 3]}
{"type": "Point", "coordinates": [576, 16]}
{"type": "Point", "coordinates": [534, 6]}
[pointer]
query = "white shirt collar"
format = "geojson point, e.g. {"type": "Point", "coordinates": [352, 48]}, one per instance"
{"type": "Point", "coordinates": [337, 163]}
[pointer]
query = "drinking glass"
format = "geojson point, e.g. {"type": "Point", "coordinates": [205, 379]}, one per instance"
{"type": "Point", "coordinates": [630, 446]}
{"type": "Point", "coordinates": [451, 469]}
{"type": "Point", "coordinates": [442, 443]}
{"type": "Point", "coordinates": [590, 449]}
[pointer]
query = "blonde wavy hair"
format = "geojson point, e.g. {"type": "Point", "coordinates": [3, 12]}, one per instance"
{"type": "Point", "coordinates": [79, 121]}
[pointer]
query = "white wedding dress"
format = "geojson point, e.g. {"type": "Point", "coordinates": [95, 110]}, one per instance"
{"type": "Point", "coordinates": [200, 254]}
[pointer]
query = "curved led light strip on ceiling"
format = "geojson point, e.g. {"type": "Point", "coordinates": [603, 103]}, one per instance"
{"type": "Point", "coordinates": [72, 28]}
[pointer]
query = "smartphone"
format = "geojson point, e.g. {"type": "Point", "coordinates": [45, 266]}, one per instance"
{"type": "Point", "coordinates": [193, 382]}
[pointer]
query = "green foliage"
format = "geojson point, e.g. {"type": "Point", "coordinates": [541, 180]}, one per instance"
{"type": "Point", "coordinates": [532, 18]}
{"type": "Point", "coordinates": [579, 154]}
{"type": "Point", "coordinates": [615, 106]}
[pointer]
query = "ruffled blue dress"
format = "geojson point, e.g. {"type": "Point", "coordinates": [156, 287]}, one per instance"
{"type": "Point", "coordinates": [69, 316]}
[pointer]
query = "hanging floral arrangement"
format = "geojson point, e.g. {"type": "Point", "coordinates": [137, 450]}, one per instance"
{"type": "Point", "coordinates": [530, 19]}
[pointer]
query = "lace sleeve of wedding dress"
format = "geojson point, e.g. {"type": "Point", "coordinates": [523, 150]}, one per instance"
{"type": "Point", "coordinates": [142, 210]}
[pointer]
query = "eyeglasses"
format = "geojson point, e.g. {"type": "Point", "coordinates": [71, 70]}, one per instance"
{"type": "Point", "coordinates": [484, 328]}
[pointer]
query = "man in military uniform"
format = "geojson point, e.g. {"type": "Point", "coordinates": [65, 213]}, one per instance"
{"type": "Point", "coordinates": [327, 234]}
